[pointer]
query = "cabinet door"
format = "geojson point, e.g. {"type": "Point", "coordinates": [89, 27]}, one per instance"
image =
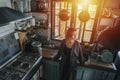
{"type": "Point", "coordinates": [84, 73]}
{"type": "Point", "coordinates": [50, 70]}
{"type": "Point", "coordinates": [104, 75]}
{"type": "Point", "coordinates": [90, 74]}
{"type": "Point", "coordinates": [80, 73]}
{"type": "Point", "coordinates": [111, 76]}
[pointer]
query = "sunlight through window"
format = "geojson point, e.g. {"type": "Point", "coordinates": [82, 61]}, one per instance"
{"type": "Point", "coordinates": [62, 26]}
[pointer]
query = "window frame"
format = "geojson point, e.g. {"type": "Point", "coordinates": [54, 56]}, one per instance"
{"type": "Point", "coordinates": [71, 23]}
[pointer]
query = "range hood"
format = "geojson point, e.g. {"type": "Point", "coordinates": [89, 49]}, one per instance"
{"type": "Point", "coordinates": [9, 15]}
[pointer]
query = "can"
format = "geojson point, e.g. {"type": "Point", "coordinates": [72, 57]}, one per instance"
{"type": "Point", "coordinates": [40, 51]}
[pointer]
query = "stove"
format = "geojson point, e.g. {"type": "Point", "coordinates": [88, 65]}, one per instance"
{"type": "Point", "coordinates": [11, 74]}
{"type": "Point", "coordinates": [24, 62]}
{"type": "Point", "coordinates": [15, 64]}
{"type": "Point", "coordinates": [18, 68]}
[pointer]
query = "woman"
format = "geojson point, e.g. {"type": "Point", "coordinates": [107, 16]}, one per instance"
{"type": "Point", "coordinates": [70, 54]}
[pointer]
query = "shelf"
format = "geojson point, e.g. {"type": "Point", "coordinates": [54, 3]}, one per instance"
{"type": "Point", "coordinates": [41, 28]}
{"type": "Point", "coordinates": [39, 12]}
{"type": "Point", "coordinates": [103, 17]}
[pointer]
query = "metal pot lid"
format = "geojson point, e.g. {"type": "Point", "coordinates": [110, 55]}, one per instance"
{"type": "Point", "coordinates": [36, 44]}
{"type": "Point", "coordinates": [107, 57]}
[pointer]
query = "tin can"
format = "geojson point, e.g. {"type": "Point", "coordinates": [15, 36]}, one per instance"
{"type": "Point", "coordinates": [40, 51]}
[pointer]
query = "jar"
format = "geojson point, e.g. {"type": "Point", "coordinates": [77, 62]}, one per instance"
{"type": "Point", "coordinates": [37, 47]}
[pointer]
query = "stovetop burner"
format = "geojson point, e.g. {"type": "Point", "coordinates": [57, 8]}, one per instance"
{"type": "Point", "coordinates": [15, 77]}
{"type": "Point", "coordinates": [29, 58]}
{"type": "Point", "coordinates": [10, 74]}
{"type": "Point", "coordinates": [17, 69]}
{"type": "Point", "coordinates": [25, 66]}
{"type": "Point", "coordinates": [21, 65]}
{"type": "Point", "coordinates": [3, 73]}
{"type": "Point", "coordinates": [16, 63]}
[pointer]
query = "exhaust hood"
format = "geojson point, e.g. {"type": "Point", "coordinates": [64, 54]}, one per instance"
{"type": "Point", "coordinates": [9, 15]}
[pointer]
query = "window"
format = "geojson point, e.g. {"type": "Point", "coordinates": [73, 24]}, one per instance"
{"type": "Point", "coordinates": [59, 27]}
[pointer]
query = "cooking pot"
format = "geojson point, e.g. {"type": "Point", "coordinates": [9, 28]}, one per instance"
{"type": "Point", "coordinates": [36, 47]}
{"type": "Point", "coordinates": [84, 16]}
{"type": "Point", "coordinates": [106, 56]}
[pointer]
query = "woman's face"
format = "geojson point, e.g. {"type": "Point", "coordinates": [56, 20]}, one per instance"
{"type": "Point", "coordinates": [72, 36]}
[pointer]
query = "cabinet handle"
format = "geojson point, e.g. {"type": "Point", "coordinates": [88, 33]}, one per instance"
{"type": "Point", "coordinates": [82, 75]}
{"type": "Point", "coordinates": [106, 76]}
{"type": "Point", "coordinates": [102, 76]}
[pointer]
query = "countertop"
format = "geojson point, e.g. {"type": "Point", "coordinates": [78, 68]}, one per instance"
{"type": "Point", "coordinates": [100, 66]}
{"type": "Point", "coordinates": [49, 53]}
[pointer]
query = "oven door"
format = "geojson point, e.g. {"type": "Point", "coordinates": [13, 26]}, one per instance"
{"type": "Point", "coordinates": [38, 74]}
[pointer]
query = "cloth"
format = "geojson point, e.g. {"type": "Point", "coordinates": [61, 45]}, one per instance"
{"type": "Point", "coordinates": [66, 68]}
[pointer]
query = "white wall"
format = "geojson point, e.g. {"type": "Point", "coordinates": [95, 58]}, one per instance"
{"type": "Point", "coordinates": [4, 3]}
{"type": "Point", "coordinates": [112, 4]}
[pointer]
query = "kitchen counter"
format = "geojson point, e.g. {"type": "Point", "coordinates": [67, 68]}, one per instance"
{"type": "Point", "coordinates": [100, 66]}
{"type": "Point", "coordinates": [86, 71]}
{"type": "Point", "coordinates": [23, 67]}
{"type": "Point", "coordinates": [49, 53]}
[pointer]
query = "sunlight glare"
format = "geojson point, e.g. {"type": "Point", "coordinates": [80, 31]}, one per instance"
{"type": "Point", "coordinates": [85, 2]}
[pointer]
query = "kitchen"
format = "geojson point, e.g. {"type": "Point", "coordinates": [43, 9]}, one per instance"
{"type": "Point", "coordinates": [31, 32]}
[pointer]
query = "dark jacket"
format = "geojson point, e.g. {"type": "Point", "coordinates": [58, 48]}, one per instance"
{"type": "Point", "coordinates": [76, 57]}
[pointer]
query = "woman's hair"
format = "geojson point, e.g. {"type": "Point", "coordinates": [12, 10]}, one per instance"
{"type": "Point", "coordinates": [70, 32]}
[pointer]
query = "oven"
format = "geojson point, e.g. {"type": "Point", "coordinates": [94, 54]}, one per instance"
{"type": "Point", "coordinates": [15, 64]}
